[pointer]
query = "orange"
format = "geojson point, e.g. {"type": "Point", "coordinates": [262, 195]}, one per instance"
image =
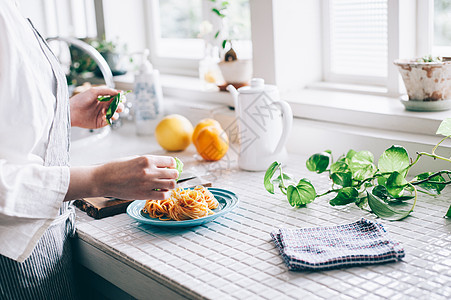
{"type": "Point", "coordinates": [174, 133]}
{"type": "Point", "coordinates": [201, 125]}
{"type": "Point", "coordinates": [212, 143]}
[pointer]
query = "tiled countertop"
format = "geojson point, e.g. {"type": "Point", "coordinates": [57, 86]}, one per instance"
{"type": "Point", "coordinates": [233, 257]}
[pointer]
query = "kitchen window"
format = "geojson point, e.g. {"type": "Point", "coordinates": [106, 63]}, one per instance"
{"type": "Point", "coordinates": [289, 50]}
{"type": "Point", "coordinates": [442, 28]}
{"type": "Point", "coordinates": [175, 29]}
{"type": "Point", "coordinates": [362, 38]}
{"type": "Point", "coordinates": [356, 41]}
{"type": "Point", "coordinates": [62, 18]}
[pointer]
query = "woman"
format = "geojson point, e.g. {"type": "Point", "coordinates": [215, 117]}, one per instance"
{"type": "Point", "coordinates": [35, 179]}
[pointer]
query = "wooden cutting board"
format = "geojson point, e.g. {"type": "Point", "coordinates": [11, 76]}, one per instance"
{"type": "Point", "coordinates": [100, 207]}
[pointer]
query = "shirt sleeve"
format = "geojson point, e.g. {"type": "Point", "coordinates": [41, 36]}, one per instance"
{"type": "Point", "coordinates": [30, 198]}
{"type": "Point", "coordinates": [30, 193]}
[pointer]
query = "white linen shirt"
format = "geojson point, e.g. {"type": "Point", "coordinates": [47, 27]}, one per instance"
{"type": "Point", "coordinates": [30, 193]}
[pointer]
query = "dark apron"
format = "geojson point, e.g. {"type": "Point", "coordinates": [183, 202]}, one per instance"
{"type": "Point", "coordinates": [47, 273]}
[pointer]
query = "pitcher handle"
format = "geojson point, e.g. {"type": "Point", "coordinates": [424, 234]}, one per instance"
{"type": "Point", "coordinates": [287, 122]}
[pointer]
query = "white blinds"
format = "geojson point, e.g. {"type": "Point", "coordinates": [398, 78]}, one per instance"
{"type": "Point", "coordinates": [358, 37]}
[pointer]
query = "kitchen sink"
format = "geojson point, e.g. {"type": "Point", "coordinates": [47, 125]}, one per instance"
{"type": "Point", "coordinates": [82, 136]}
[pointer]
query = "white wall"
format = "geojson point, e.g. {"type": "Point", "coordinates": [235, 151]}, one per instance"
{"type": "Point", "coordinates": [309, 137]}
{"type": "Point", "coordinates": [125, 20]}
{"type": "Point", "coordinates": [287, 46]}
{"type": "Point", "coordinates": [34, 9]}
{"type": "Point", "coordinates": [61, 17]}
{"type": "Point", "coordinates": [298, 45]}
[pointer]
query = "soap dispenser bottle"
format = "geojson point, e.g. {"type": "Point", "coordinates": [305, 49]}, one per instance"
{"type": "Point", "coordinates": [148, 97]}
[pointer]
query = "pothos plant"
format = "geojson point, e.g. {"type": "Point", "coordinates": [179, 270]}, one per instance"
{"type": "Point", "coordinates": [383, 189]}
{"type": "Point", "coordinates": [220, 11]}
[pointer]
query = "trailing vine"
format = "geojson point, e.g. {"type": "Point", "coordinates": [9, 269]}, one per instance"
{"type": "Point", "coordinates": [383, 189]}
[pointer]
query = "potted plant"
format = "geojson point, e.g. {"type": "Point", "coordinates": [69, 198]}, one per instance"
{"type": "Point", "coordinates": [84, 68]}
{"type": "Point", "coordinates": [234, 70]}
{"type": "Point", "coordinates": [427, 81]}
{"type": "Point", "coordinates": [113, 53]}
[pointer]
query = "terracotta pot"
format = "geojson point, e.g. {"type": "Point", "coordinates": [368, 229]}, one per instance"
{"type": "Point", "coordinates": [426, 81]}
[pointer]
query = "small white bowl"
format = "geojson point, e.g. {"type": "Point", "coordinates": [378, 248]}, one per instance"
{"type": "Point", "coordinates": [237, 71]}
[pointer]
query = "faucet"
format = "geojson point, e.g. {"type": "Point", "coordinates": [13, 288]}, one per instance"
{"type": "Point", "coordinates": [82, 135]}
{"type": "Point", "coordinates": [93, 53]}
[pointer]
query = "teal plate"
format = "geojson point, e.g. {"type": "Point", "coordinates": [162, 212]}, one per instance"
{"type": "Point", "coordinates": [227, 201]}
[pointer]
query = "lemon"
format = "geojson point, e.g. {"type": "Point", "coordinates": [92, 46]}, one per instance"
{"type": "Point", "coordinates": [202, 124]}
{"type": "Point", "coordinates": [210, 77]}
{"type": "Point", "coordinates": [174, 133]}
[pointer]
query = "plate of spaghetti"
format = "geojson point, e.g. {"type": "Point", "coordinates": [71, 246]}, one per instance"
{"type": "Point", "coordinates": [185, 207]}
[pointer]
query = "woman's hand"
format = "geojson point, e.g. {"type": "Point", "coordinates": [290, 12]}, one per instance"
{"type": "Point", "coordinates": [87, 112]}
{"type": "Point", "coordinates": [143, 177]}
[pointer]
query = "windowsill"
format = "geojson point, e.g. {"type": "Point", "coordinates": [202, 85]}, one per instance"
{"type": "Point", "coordinates": [182, 87]}
{"type": "Point", "coordinates": [359, 110]}
{"type": "Point", "coordinates": [362, 110]}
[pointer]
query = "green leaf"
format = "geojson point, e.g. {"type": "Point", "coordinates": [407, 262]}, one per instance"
{"type": "Point", "coordinates": [345, 196]}
{"type": "Point", "coordinates": [293, 195]}
{"type": "Point", "coordinates": [282, 180]}
{"type": "Point", "coordinates": [386, 211]}
{"type": "Point", "coordinates": [115, 100]}
{"type": "Point", "coordinates": [342, 159]}
{"type": "Point", "coordinates": [112, 108]}
{"type": "Point", "coordinates": [395, 184]}
{"type": "Point", "coordinates": [362, 201]}
{"type": "Point", "coordinates": [224, 43]}
{"type": "Point", "coordinates": [393, 159]}
{"type": "Point", "coordinates": [216, 11]}
{"type": "Point", "coordinates": [350, 154]}
{"type": "Point", "coordinates": [269, 186]}
{"type": "Point", "coordinates": [217, 33]}
{"type": "Point", "coordinates": [448, 214]}
{"type": "Point", "coordinates": [362, 166]}
{"type": "Point", "coordinates": [339, 166]}
{"type": "Point", "coordinates": [382, 180]}
{"type": "Point", "coordinates": [342, 178]}
{"type": "Point", "coordinates": [399, 199]}
{"type": "Point", "coordinates": [318, 162]}
{"type": "Point", "coordinates": [430, 186]}
{"type": "Point", "coordinates": [104, 98]}
{"type": "Point", "coordinates": [445, 127]}
{"type": "Point", "coordinates": [178, 166]}
{"type": "Point", "coordinates": [301, 194]}
{"type": "Point", "coordinates": [380, 191]}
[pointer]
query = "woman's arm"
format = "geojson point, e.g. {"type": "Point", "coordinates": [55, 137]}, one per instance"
{"type": "Point", "coordinates": [144, 177]}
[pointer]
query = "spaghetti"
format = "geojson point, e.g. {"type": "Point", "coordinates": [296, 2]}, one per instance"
{"type": "Point", "coordinates": [183, 204]}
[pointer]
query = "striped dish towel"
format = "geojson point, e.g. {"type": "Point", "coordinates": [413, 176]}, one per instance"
{"type": "Point", "coordinates": [358, 243]}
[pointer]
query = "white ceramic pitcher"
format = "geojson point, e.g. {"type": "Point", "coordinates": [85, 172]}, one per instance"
{"type": "Point", "coordinates": [264, 123]}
